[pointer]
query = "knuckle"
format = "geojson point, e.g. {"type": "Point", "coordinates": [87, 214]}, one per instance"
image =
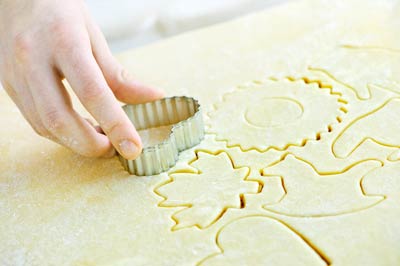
{"type": "Point", "coordinates": [119, 79]}
{"type": "Point", "coordinates": [112, 127]}
{"type": "Point", "coordinates": [63, 37]}
{"type": "Point", "coordinates": [60, 28]}
{"type": "Point", "coordinates": [54, 120]}
{"type": "Point", "coordinates": [93, 94]}
{"type": "Point", "coordinates": [65, 45]}
{"type": "Point", "coordinates": [23, 46]}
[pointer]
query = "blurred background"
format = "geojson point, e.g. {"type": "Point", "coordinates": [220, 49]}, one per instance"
{"type": "Point", "coordinates": [132, 23]}
{"type": "Point", "coordinates": [127, 24]}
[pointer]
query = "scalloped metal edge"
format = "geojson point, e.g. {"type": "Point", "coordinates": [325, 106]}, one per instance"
{"type": "Point", "coordinates": [184, 113]}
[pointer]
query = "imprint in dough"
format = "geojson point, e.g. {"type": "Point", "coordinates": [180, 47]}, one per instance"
{"type": "Point", "coordinates": [259, 240]}
{"type": "Point", "coordinates": [274, 114]}
{"type": "Point", "coordinates": [274, 111]}
{"type": "Point", "coordinates": [57, 208]}
{"type": "Point", "coordinates": [155, 135]}
{"type": "Point", "coordinates": [382, 125]}
{"type": "Point", "coordinates": [384, 181]}
{"type": "Point", "coordinates": [320, 195]}
{"type": "Point", "coordinates": [320, 152]}
{"type": "Point", "coordinates": [208, 193]}
{"type": "Point", "coordinates": [368, 66]}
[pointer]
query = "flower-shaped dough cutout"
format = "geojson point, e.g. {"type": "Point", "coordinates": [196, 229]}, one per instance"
{"type": "Point", "coordinates": [274, 114]}
{"type": "Point", "coordinates": [207, 193]}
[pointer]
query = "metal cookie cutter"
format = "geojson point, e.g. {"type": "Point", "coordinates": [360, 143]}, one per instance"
{"type": "Point", "coordinates": [183, 113]}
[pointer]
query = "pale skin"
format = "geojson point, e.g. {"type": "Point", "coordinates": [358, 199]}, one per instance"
{"type": "Point", "coordinates": [44, 41]}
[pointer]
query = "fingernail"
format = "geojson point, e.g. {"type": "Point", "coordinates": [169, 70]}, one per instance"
{"type": "Point", "coordinates": [129, 149]}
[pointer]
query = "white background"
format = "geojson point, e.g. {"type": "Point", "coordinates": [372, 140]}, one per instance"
{"type": "Point", "coordinates": [131, 23]}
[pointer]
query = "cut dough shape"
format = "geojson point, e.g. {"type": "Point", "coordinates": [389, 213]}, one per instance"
{"type": "Point", "coordinates": [321, 195]}
{"type": "Point", "coordinates": [384, 181]}
{"type": "Point", "coordinates": [257, 160]}
{"type": "Point", "coordinates": [261, 240]}
{"type": "Point", "coordinates": [395, 156]}
{"type": "Point", "coordinates": [275, 114]}
{"type": "Point", "coordinates": [272, 189]}
{"type": "Point", "coordinates": [381, 125]}
{"type": "Point", "coordinates": [207, 194]}
{"type": "Point", "coordinates": [320, 152]}
{"type": "Point", "coordinates": [384, 70]}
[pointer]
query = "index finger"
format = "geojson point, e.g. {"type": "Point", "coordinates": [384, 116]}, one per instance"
{"type": "Point", "coordinates": [86, 79]}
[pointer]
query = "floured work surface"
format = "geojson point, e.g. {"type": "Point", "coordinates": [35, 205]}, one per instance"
{"type": "Point", "coordinates": [300, 165]}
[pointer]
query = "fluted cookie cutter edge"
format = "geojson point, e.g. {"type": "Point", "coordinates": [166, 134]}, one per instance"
{"type": "Point", "coordinates": [185, 116]}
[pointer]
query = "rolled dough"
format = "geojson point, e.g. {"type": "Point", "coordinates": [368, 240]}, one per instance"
{"type": "Point", "coordinates": [299, 166]}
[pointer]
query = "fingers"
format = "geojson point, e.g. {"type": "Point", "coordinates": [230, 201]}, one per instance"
{"type": "Point", "coordinates": [37, 45]}
{"type": "Point", "coordinates": [124, 86]}
{"type": "Point", "coordinates": [22, 97]}
{"type": "Point", "coordinates": [85, 77]}
{"type": "Point", "coordinates": [61, 121]}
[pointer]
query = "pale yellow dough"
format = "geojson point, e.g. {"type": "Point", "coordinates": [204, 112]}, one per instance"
{"type": "Point", "coordinates": [155, 135]}
{"type": "Point", "coordinates": [300, 164]}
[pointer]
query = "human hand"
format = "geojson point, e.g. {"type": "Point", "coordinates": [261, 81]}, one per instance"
{"type": "Point", "coordinates": [44, 41]}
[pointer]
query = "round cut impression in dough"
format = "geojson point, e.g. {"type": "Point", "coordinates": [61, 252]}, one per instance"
{"type": "Point", "coordinates": [274, 114]}
{"type": "Point", "coordinates": [274, 111]}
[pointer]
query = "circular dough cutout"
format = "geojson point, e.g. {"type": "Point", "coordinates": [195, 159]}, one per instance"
{"type": "Point", "coordinates": [273, 111]}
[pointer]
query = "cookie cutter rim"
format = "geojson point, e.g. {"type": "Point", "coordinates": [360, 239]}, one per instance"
{"type": "Point", "coordinates": [183, 113]}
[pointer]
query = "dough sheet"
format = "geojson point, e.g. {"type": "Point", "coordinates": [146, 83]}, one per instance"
{"type": "Point", "coordinates": [300, 164]}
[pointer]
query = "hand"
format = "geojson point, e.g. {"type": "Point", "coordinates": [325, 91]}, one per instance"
{"type": "Point", "coordinates": [44, 41]}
